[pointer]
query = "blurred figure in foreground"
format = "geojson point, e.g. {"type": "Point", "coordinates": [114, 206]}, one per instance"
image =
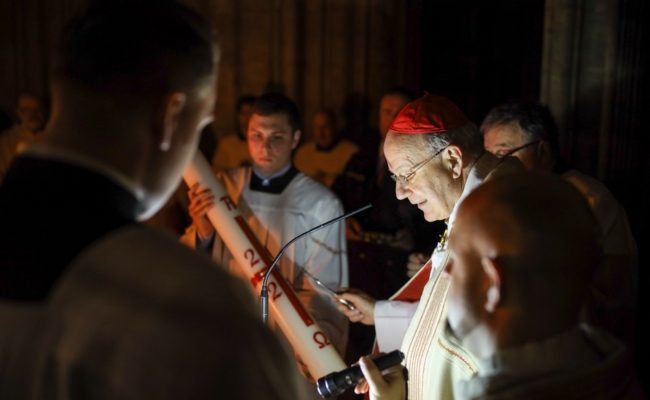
{"type": "Point", "coordinates": [94, 305]}
{"type": "Point", "coordinates": [528, 131]}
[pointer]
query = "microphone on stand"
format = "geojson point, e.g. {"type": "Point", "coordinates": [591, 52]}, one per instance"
{"type": "Point", "coordinates": [264, 295]}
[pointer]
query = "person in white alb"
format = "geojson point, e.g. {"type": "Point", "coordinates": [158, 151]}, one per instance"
{"type": "Point", "coordinates": [325, 156]}
{"type": "Point", "coordinates": [436, 156]}
{"type": "Point", "coordinates": [232, 150]}
{"type": "Point", "coordinates": [280, 203]}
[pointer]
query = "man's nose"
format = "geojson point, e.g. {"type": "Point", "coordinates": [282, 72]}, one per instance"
{"type": "Point", "coordinates": [267, 143]}
{"type": "Point", "coordinates": [401, 191]}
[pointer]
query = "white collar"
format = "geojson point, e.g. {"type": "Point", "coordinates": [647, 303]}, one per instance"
{"type": "Point", "coordinates": [266, 180]}
{"type": "Point", "coordinates": [476, 175]}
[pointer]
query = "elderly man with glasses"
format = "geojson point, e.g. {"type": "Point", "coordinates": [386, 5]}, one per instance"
{"type": "Point", "coordinates": [437, 158]}
{"type": "Point", "coordinates": [528, 131]}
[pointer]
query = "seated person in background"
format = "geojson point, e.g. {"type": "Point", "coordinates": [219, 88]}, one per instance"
{"type": "Point", "coordinates": [522, 254]}
{"type": "Point", "coordinates": [324, 157]}
{"type": "Point", "coordinates": [31, 119]}
{"type": "Point", "coordinates": [232, 150]}
{"type": "Point", "coordinates": [366, 180]}
{"type": "Point", "coordinates": [527, 131]}
{"type": "Point", "coordinates": [94, 305]}
{"type": "Point", "coordinates": [279, 203]}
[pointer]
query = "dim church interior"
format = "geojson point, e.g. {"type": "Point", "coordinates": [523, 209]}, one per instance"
{"type": "Point", "coordinates": [586, 60]}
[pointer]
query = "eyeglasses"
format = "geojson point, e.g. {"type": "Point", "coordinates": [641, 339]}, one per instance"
{"type": "Point", "coordinates": [505, 152]}
{"type": "Point", "coordinates": [406, 179]}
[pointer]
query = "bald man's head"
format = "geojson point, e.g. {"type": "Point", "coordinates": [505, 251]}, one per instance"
{"type": "Point", "coordinates": [522, 253]}
{"type": "Point", "coordinates": [542, 219]}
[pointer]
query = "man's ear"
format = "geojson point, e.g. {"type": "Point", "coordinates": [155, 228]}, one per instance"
{"type": "Point", "coordinates": [296, 139]}
{"type": "Point", "coordinates": [172, 107]}
{"type": "Point", "coordinates": [494, 291]}
{"type": "Point", "coordinates": [453, 158]}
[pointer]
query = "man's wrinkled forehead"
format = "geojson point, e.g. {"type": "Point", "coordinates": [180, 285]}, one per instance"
{"type": "Point", "coordinates": [505, 136]}
{"type": "Point", "coordinates": [403, 150]}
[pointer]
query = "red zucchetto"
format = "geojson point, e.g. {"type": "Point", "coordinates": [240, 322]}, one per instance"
{"type": "Point", "coordinates": [428, 114]}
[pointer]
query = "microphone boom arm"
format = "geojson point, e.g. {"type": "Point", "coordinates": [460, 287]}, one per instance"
{"type": "Point", "coordinates": [264, 295]}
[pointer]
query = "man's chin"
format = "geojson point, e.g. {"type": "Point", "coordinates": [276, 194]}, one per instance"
{"type": "Point", "coordinates": [263, 165]}
{"type": "Point", "coordinates": [431, 216]}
